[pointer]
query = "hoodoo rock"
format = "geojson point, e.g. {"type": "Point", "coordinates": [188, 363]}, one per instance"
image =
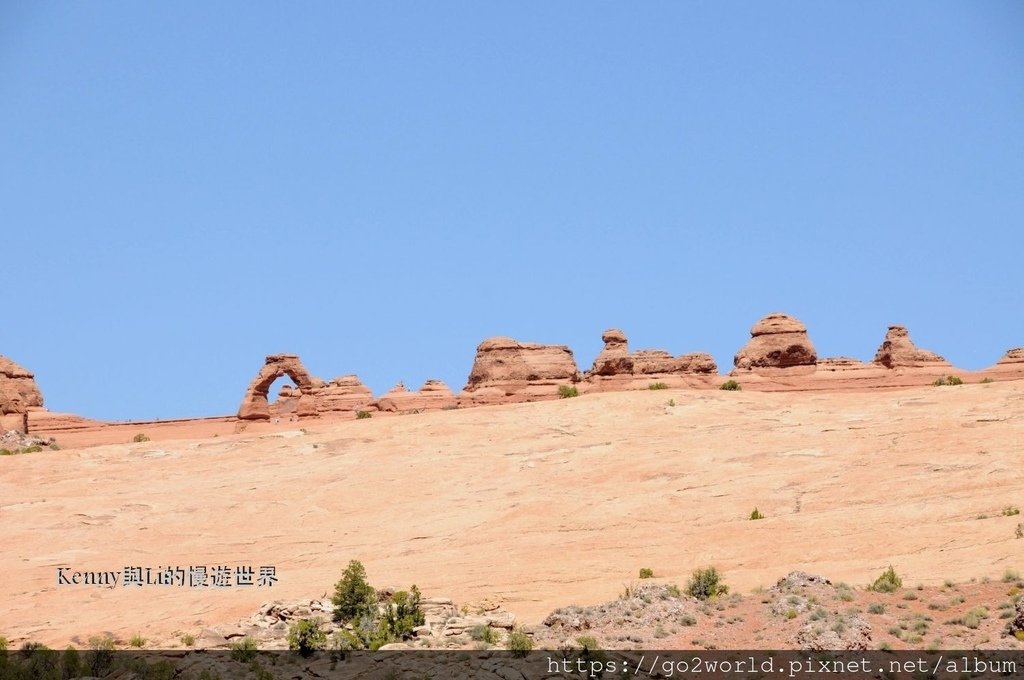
{"type": "Point", "coordinates": [255, 405]}
{"type": "Point", "coordinates": [777, 341]}
{"type": "Point", "coordinates": [899, 351]}
{"type": "Point", "coordinates": [18, 393]}
{"type": "Point", "coordinates": [18, 389]}
{"type": "Point", "coordinates": [616, 365]}
{"type": "Point", "coordinates": [506, 370]}
{"type": "Point", "coordinates": [434, 395]}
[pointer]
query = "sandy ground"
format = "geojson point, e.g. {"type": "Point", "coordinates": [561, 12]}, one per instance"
{"type": "Point", "coordinates": [534, 505]}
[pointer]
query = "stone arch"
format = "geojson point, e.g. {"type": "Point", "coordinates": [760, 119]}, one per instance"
{"type": "Point", "coordinates": [255, 405]}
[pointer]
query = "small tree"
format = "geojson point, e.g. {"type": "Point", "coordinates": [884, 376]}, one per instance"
{"type": "Point", "coordinates": [888, 582]}
{"type": "Point", "coordinates": [353, 596]}
{"type": "Point", "coordinates": [305, 637]}
{"type": "Point", "coordinates": [731, 386]}
{"type": "Point", "coordinates": [705, 584]}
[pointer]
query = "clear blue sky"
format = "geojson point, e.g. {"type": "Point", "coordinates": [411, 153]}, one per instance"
{"type": "Point", "coordinates": [186, 187]}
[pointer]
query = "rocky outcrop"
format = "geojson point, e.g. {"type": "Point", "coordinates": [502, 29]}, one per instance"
{"type": "Point", "coordinates": [432, 396]}
{"type": "Point", "coordinates": [344, 394]}
{"type": "Point", "coordinates": [618, 368]}
{"type": "Point", "coordinates": [506, 370]}
{"type": "Point", "coordinates": [1009, 367]}
{"type": "Point", "coordinates": [255, 405]}
{"type": "Point", "coordinates": [18, 389]}
{"type": "Point", "coordinates": [899, 351]}
{"type": "Point", "coordinates": [777, 341]}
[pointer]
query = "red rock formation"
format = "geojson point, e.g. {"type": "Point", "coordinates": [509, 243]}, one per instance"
{"type": "Point", "coordinates": [18, 389]}
{"type": "Point", "coordinates": [776, 341]}
{"type": "Point", "coordinates": [19, 394]}
{"type": "Point", "coordinates": [434, 395]}
{"type": "Point", "coordinates": [616, 368]}
{"type": "Point", "coordinates": [1009, 367]}
{"type": "Point", "coordinates": [255, 405]}
{"type": "Point", "coordinates": [506, 370]}
{"type": "Point", "coordinates": [899, 351]}
{"type": "Point", "coordinates": [344, 394]}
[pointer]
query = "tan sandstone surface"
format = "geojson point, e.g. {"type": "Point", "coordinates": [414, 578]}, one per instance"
{"type": "Point", "coordinates": [535, 505]}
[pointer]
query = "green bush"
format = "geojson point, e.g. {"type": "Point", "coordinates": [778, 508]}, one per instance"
{"type": "Point", "coordinates": [705, 584]}
{"type": "Point", "coordinates": [567, 391]}
{"type": "Point", "coordinates": [756, 514]}
{"type": "Point", "coordinates": [657, 386]}
{"type": "Point", "coordinates": [139, 438]}
{"type": "Point", "coordinates": [244, 650]}
{"type": "Point", "coordinates": [305, 637]}
{"type": "Point", "coordinates": [363, 415]}
{"type": "Point", "coordinates": [731, 386]}
{"type": "Point", "coordinates": [484, 633]}
{"type": "Point", "coordinates": [985, 381]}
{"type": "Point", "coordinates": [32, 449]}
{"type": "Point", "coordinates": [137, 641]}
{"type": "Point", "coordinates": [646, 572]}
{"type": "Point", "coordinates": [6, 452]}
{"type": "Point", "coordinates": [950, 380]}
{"type": "Point", "coordinates": [353, 596]}
{"type": "Point", "coordinates": [519, 643]}
{"type": "Point", "coordinates": [888, 582]}
{"type": "Point", "coordinates": [402, 614]}
{"type": "Point", "coordinates": [1010, 511]}
{"type": "Point", "coordinates": [188, 639]}
{"type": "Point", "coordinates": [3, 644]}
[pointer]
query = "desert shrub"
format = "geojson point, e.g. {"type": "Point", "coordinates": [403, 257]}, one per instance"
{"type": "Point", "coordinates": [1019, 533]}
{"type": "Point", "coordinates": [484, 633]}
{"type": "Point", "coordinates": [402, 614]}
{"type": "Point", "coordinates": [3, 644]}
{"type": "Point", "coordinates": [54, 446]}
{"type": "Point", "coordinates": [657, 386]}
{"type": "Point", "coordinates": [137, 641]}
{"type": "Point", "coordinates": [592, 652]}
{"type": "Point", "coordinates": [305, 637]}
{"type": "Point", "coordinates": [954, 380]}
{"type": "Point", "coordinates": [705, 584]}
{"type": "Point", "coordinates": [353, 596]}
{"type": "Point", "coordinates": [671, 402]}
{"type": "Point", "coordinates": [646, 572]}
{"type": "Point", "coordinates": [6, 452]}
{"type": "Point", "coordinates": [910, 595]}
{"type": "Point", "coordinates": [188, 639]}
{"type": "Point", "coordinates": [100, 658]}
{"type": "Point", "coordinates": [244, 650]}
{"type": "Point", "coordinates": [985, 381]}
{"type": "Point", "coordinates": [139, 438]}
{"type": "Point", "coordinates": [731, 386]}
{"type": "Point", "coordinates": [791, 613]}
{"type": "Point", "coordinates": [756, 514]}
{"type": "Point", "coordinates": [876, 608]}
{"type": "Point", "coordinates": [672, 590]}
{"type": "Point", "coordinates": [888, 582]}
{"type": "Point", "coordinates": [519, 643]}
{"type": "Point", "coordinates": [363, 415]}
{"type": "Point", "coordinates": [567, 391]}
{"type": "Point", "coordinates": [688, 620]}
{"type": "Point", "coordinates": [1011, 575]}
{"type": "Point", "coordinates": [1010, 511]}
{"type": "Point", "coordinates": [35, 448]}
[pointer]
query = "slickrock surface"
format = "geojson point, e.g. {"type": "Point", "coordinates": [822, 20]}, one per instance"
{"type": "Point", "coordinates": [533, 506]}
{"type": "Point", "coordinates": [776, 341]}
{"type": "Point", "coordinates": [508, 371]}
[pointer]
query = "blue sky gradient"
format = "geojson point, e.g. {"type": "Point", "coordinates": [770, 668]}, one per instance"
{"type": "Point", "coordinates": [187, 187]}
